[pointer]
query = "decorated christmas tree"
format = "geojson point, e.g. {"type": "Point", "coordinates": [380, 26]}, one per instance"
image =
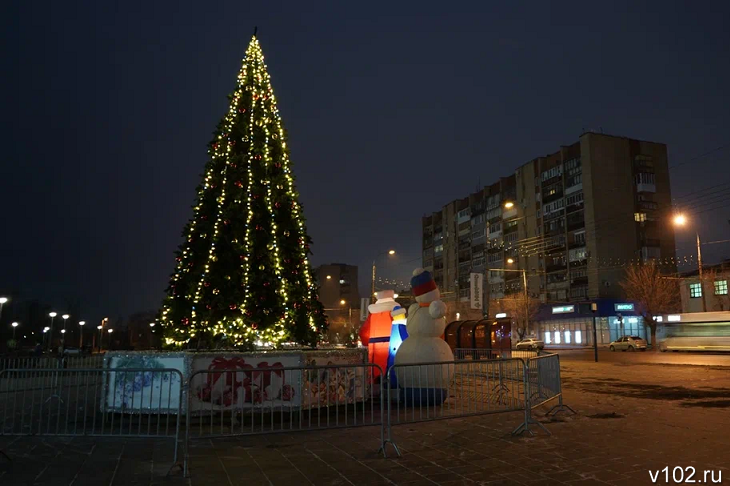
{"type": "Point", "coordinates": [243, 276]}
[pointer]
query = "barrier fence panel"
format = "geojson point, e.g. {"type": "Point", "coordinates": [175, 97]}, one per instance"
{"type": "Point", "coordinates": [92, 402]}
{"type": "Point", "coordinates": [251, 401]}
{"type": "Point", "coordinates": [544, 382]}
{"type": "Point", "coordinates": [37, 367]}
{"type": "Point", "coordinates": [441, 390]}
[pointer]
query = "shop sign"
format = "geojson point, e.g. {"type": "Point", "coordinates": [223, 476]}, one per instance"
{"type": "Point", "coordinates": [563, 309]}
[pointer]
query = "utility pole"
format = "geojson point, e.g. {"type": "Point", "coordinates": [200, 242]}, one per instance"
{"type": "Point", "coordinates": [702, 282]}
{"type": "Point", "coordinates": [594, 308]}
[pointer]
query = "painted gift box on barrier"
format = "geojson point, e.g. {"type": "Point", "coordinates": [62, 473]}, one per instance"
{"type": "Point", "coordinates": [270, 380]}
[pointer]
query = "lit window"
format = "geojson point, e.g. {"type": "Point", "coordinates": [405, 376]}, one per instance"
{"type": "Point", "coordinates": [578, 337]}
{"type": "Point", "coordinates": [547, 337]}
{"type": "Point", "coordinates": [567, 337]}
{"type": "Point", "coordinates": [557, 337]}
{"type": "Point", "coordinates": [639, 217]}
{"type": "Point", "coordinates": [721, 287]}
{"type": "Point", "coordinates": [695, 290]}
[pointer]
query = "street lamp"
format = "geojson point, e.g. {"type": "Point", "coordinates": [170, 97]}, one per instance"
{"type": "Point", "coordinates": [681, 220]}
{"type": "Point", "coordinates": [52, 315]}
{"type": "Point", "coordinates": [101, 330]}
{"type": "Point", "coordinates": [527, 302]}
{"type": "Point", "coordinates": [3, 301]}
{"type": "Point", "coordinates": [81, 337]}
{"type": "Point", "coordinates": [14, 324]}
{"type": "Point", "coordinates": [509, 205]}
{"type": "Point", "coordinates": [65, 318]}
{"type": "Point", "coordinates": [372, 287]}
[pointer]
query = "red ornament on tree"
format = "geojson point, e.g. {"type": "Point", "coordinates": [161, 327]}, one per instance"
{"type": "Point", "coordinates": [232, 306]}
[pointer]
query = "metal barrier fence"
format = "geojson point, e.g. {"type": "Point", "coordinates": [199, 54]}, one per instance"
{"type": "Point", "coordinates": [46, 362]}
{"type": "Point", "coordinates": [92, 402]}
{"type": "Point", "coordinates": [236, 402]}
{"type": "Point", "coordinates": [544, 382]}
{"type": "Point", "coordinates": [461, 354]}
{"type": "Point", "coordinates": [228, 403]}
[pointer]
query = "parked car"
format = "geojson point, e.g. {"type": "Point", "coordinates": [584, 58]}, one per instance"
{"type": "Point", "coordinates": [628, 343]}
{"type": "Point", "coordinates": [72, 352]}
{"type": "Point", "coordinates": [530, 343]}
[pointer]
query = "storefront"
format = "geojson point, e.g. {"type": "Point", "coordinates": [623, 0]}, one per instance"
{"type": "Point", "coordinates": [572, 324]}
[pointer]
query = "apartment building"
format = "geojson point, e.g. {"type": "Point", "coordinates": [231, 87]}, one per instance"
{"type": "Point", "coordinates": [571, 220]}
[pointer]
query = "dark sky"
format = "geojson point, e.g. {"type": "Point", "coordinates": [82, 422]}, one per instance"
{"type": "Point", "coordinates": [392, 112]}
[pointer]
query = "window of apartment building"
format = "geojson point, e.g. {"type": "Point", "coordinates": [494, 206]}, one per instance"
{"type": "Point", "coordinates": [494, 228]}
{"type": "Point", "coordinates": [644, 178]}
{"type": "Point", "coordinates": [554, 172]}
{"type": "Point", "coordinates": [554, 225]}
{"type": "Point", "coordinates": [438, 249]}
{"type": "Point", "coordinates": [695, 290]}
{"type": "Point", "coordinates": [639, 217]}
{"type": "Point", "coordinates": [477, 219]}
{"type": "Point", "coordinates": [464, 212]}
{"type": "Point", "coordinates": [510, 237]}
{"type": "Point", "coordinates": [579, 238]}
{"type": "Point", "coordinates": [720, 287]}
{"type": "Point", "coordinates": [494, 257]}
{"type": "Point", "coordinates": [578, 254]}
{"type": "Point", "coordinates": [574, 199]}
{"type": "Point", "coordinates": [553, 206]}
{"type": "Point", "coordinates": [438, 237]}
{"type": "Point", "coordinates": [574, 180]}
{"type": "Point", "coordinates": [478, 233]}
{"type": "Point", "coordinates": [579, 272]}
{"type": "Point", "coordinates": [477, 262]}
{"type": "Point", "coordinates": [553, 189]}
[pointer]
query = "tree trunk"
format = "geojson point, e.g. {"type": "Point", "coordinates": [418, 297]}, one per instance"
{"type": "Point", "coordinates": [654, 344]}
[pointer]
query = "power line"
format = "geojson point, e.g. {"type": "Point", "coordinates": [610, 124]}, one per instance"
{"type": "Point", "coordinates": [700, 156]}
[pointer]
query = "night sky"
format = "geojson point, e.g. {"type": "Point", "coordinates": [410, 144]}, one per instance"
{"type": "Point", "coordinates": [392, 111]}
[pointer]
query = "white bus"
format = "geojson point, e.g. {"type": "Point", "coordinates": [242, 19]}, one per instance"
{"type": "Point", "coordinates": [698, 331]}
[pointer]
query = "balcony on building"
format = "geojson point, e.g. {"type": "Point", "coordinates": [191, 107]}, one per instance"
{"type": "Point", "coordinates": [645, 182]}
{"type": "Point", "coordinates": [576, 221]}
{"type": "Point", "coordinates": [556, 264]}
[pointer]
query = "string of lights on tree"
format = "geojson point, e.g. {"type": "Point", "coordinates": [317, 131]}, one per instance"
{"type": "Point", "coordinates": [243, 275]}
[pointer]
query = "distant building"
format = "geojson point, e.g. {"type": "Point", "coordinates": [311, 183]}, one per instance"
{"type": "Point", "coordinates": [340, 297]}
{"type": "Point", "coordinates": [714, 291]}
{"type": "Point", "coordinates": [571, 220]}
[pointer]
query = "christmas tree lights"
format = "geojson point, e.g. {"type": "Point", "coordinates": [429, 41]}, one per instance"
{"type": "Point", "coordinates": [242, 274]}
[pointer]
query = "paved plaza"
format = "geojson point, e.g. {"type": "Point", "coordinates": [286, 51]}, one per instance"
{"type": "Point", "coordinates": [632, 417]}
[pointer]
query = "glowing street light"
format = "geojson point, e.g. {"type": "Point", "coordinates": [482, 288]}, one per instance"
{"type": "Point", "coordinates": [3, 301]}
{"type": "Point", "coordinates": [329, 277]}
{"type": "Point", "coordinates": [52, 315]}
{"type": "Point", "coordinates": [14, 324]}
{"type": "Point", "coordinates": [681, 220]}
{"type": "Point", "coordinates": [510, 260]}
{"type": "Point", "coordinates": [509, 205]}
{"type": "Point", "coordinates": [81, 337]}
{"type": "Point", "coordinates": [342, 302]}
{"type": "Point", "coordinates": [372, 289]}
{"type": "Point", "coordinates": [65, 318]}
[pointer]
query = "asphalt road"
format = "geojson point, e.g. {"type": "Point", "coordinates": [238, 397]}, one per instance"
{"type": "Point", "coordinates": [645, 357]}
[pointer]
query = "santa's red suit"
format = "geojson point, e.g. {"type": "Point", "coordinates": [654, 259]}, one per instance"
{"type": "Point", "coordinates": [375, 332]}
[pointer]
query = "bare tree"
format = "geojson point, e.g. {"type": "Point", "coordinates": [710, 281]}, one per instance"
{"type": "Point", "coordinates": [653, 292]}
{"type": "Point", "coordinates": [514, 306]}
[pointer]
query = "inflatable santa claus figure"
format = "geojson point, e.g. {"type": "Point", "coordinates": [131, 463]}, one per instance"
{"type": "Point", "coordinates": [375, 332]}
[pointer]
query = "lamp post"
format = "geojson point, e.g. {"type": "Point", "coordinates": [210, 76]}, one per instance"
{"type": "Point", "coordinates": [15, 325]}
{"type": "Point", "coordinates": [101, 331]}
{"type": "Point", "coordinates": [81, 337]}
{"type": "Point", "coordinates": [52, 315]}
{"type": "Point", "coordinates": [372, 286]}
{"type": "Point", "coordinates": [110, 331]}
{"type": "Point", "coordinates": [681, 220]}
{"type": "Point", "coordinates": [65, 318]}
{"type": "Point", "coordinates": [524, 288]}
{"type": "Point", "coordinates": [152, 331]}
{"type": "Point", "coordinates": [3, 301]}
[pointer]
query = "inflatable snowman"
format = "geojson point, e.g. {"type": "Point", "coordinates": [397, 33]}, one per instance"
{"type": "Point", "coordinates": [425, 325]}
